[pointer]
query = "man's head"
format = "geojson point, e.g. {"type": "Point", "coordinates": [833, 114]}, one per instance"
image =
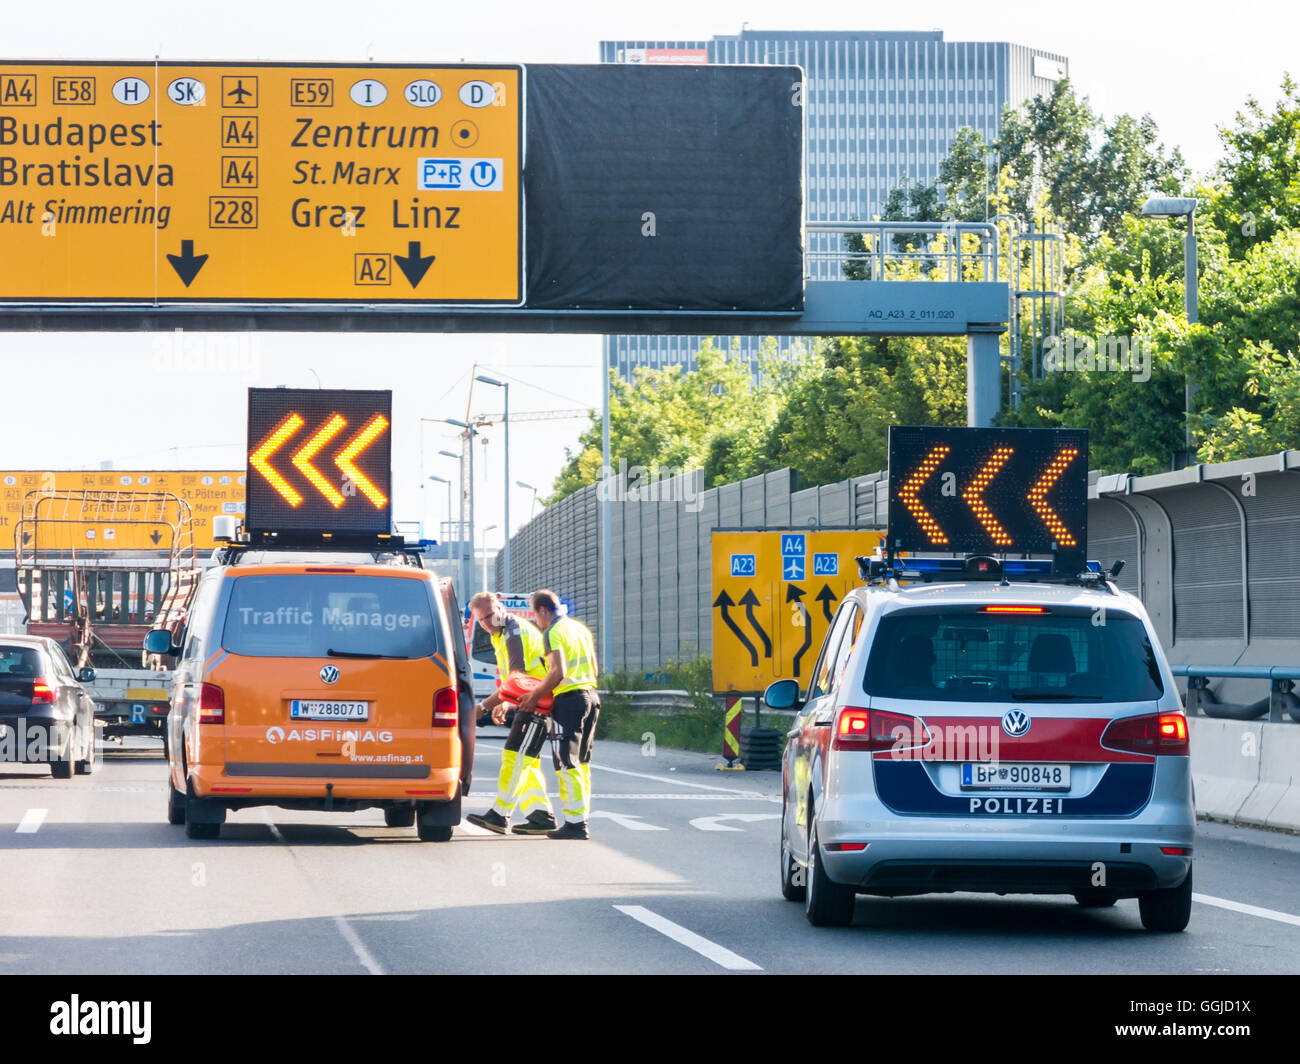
{"type": "Point", "coordinates": [487, 610]}
{"type": "Point", "coordinates": [546, 607]}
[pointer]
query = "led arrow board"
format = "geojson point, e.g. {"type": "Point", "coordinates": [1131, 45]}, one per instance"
{"type": "Point", "coordinates": [319, 461]}
{"type": "Point", "coordinates": [246, 183]}
{"type": "Point", "coordinates": [989, 491]}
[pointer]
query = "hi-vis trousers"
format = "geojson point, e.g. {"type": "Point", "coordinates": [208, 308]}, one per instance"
{"type": "Point", "coordinates": [575, 714]}
{"type": "Point", "coordinates": [520, 781]}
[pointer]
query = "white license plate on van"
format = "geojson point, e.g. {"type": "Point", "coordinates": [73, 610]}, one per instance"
{"type": "Point", "coordinates": [1003, 776]}
{"type": "Point", "coordinates": [324, 710]}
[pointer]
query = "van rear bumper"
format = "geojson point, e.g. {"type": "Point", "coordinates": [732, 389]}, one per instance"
{"type": "Point", "coordinates": [388, 781]}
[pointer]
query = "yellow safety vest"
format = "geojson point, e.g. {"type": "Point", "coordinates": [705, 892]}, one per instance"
{"type": "Point", "coordinates": [531, 637]}
{"type": "Point", "coordinates": [574, 638]}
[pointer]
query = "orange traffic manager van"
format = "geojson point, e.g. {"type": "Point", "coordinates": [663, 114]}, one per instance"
{"type": "Point", "coordinates": [317, 681]}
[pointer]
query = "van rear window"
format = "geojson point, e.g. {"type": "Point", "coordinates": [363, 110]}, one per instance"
{"type": "Point", "coordinates": [294, 615]}
{"type": "Point", "coordinates": [968, 655]}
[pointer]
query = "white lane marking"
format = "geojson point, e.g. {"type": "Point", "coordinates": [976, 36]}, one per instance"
{"type": "Point", "coordinates": [345, 929]}
{"type": "Point", "coordinates": [626, 820]}
{"type": "Point", "coordinates": [1249, 910]}
{"type": "Point", "coordinates": [31, 821]}
{"type": "Point", "coordinates": [715, 823]}
{"type": "Point", "coordinates": [680, 783]}
{"type": "Point", "coordinates": [473, 829]}
{"type": "Point", "coordinates": [718, 954]}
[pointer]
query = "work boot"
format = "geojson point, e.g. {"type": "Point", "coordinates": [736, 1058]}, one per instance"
{"type": "Point", "coordinates": [570, 831]}
{"type": "Point", "coordinates": [539, 822]}
{"type": "Point", "coordinates": [492, 820]}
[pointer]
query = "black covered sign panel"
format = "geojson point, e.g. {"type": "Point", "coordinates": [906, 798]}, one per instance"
{"type": "Point", "coordinates": [319, 460]}
{"type": "Point", "coordinates": [664, 188]}
{"type": "Point", "coordinates": [988, 491]}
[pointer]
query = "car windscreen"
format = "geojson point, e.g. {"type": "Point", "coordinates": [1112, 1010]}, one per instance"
{"type": "Point", "coordinates": [319, 615]}
{"type": "Point", "coordinates": [970, 655]}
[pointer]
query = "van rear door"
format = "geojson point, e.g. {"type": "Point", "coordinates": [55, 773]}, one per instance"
{"type": "Point", "coordinates": [333, 673]}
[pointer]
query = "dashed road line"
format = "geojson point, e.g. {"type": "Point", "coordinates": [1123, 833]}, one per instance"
{"type": "Point", "coordinates": [704, 947]}
{"type": "Point", "coordinates": [363, 955]}
{"type": "Point", "coordinates": [31, 821]}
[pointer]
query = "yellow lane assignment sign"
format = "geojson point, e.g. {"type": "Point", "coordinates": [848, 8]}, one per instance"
{"type": "Point", "coordinates": [193, 182]}
{"type": "Point", "coordinates": [775, 594]}
{"type": "Point", "coordinates": [124, 525]}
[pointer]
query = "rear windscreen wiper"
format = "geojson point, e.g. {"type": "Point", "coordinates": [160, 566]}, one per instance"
{"type": "Point", "coordinates": [362, 654]}
{"type": "Point", "coordinates": [1040, 694]}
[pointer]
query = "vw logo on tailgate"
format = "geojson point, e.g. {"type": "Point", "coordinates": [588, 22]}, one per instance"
{"type": "Point", "coordinates": [330, 674]}
{"type": "Point", "coordinates": [1016, 722]}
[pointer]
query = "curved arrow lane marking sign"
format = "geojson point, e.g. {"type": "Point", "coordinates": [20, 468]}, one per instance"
{"type": "Point", "coordinates": [715, 823]}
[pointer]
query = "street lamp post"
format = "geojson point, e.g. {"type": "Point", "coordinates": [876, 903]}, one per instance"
{"type": "Point", "coordinates": [466, 556]}
{"type": "Point", "coordinates": [505, 422]}
{"type": "Point", "coordinates": [486, 582]}
{"type": "Point", "coordinates": [528, 487]}
{"type": "Point", "coordinates": [1182, 207]}
{"type": "Point", "coordinates": [447, 481]}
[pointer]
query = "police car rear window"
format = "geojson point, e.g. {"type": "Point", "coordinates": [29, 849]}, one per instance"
{"type": "Point", "coordinates": [329, 615]}
{"type": "Point", "coordinates": [967, 655]}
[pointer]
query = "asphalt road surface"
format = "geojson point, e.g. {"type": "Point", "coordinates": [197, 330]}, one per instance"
{"type": "Point", "coordinates": [680, 877]}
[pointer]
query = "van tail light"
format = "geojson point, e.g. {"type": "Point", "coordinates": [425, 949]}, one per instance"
{"type": "Point", "coordinates": [1158, 733]}
{"type": "Point", "coordinates": [878, 729]}
{"type": "Point", "coordinates": [42, 693]}
{"type": "Point", "coordinates": [446, 711]}
{"type": "Point", "coordinates": [212, 705]}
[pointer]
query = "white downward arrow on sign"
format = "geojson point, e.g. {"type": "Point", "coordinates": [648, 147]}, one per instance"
{"type": "Point", "coordinates": [714, 823]}
{"type": "Point", "coordinates": [632, 823]}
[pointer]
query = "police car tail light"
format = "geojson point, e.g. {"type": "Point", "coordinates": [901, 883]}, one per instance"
{"type": "Point", "coordinates": [42, 693]}
{"type": "Point", "coordinates": [857, 728]}
{"type": "Point", "coordinates": [212, 704]}
{"type": "Point", "coordinates": [1158, 733]}
{"type": "Point", "coordinates": [445, 710]}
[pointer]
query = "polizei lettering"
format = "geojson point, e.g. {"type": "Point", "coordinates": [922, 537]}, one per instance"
{"type": "Point", "coordinates": [1018, 806]}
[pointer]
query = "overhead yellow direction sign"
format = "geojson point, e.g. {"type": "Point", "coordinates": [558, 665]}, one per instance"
{"type": "Point", "coordinates": [251, 183]}
{"type": "Point", "coordinates": [775, 593]}
{"type": "Point", "coordinates": [120, 525]}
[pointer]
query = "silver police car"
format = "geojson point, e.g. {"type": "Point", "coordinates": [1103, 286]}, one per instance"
{"type": "Point", "coordinates": [1002, 737]}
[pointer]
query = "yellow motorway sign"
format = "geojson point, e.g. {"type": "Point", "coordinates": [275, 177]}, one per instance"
{"type": "Point", "coordinates": [249, 183]}
{"type": "Point", "coordinates": [209, 493]}
{"type": "Point", "coordinates": [774, 596]}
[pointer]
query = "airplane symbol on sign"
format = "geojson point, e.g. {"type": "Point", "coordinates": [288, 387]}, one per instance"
{"type": "Point", "coordinates": [793, 569]}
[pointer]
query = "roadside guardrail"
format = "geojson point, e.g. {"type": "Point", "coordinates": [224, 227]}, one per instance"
{"type": "Point", "coordinates": [1281, 700]}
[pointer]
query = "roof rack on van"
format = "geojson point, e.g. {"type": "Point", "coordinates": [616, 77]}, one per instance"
{"type": "Point", "coordinates": [377, 546]}
{"type": "Point", "coordinates": [876, 570]}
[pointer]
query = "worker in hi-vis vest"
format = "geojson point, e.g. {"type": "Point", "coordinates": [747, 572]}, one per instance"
{"type": "Point", "coordinates": [518, 646]}
{"type": "Point", "coordinates": [571, 676]}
